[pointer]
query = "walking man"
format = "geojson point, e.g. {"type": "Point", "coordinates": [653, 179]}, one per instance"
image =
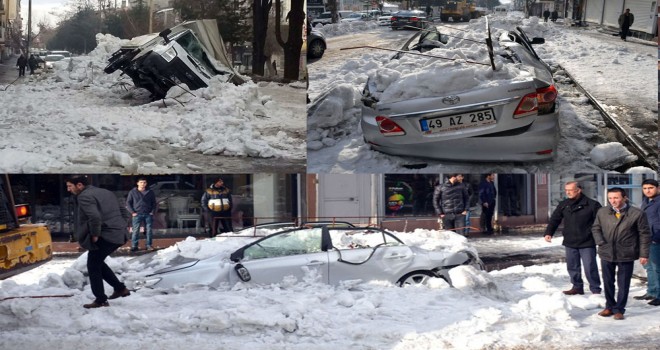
{"type": "Point", "coordinates": [651, 206]}
{"type": "Point", "coordinates": [450, 201]}
{"type": "Point", "coordinates": [141, 203]}
{"type": "Point", "coordinates": [622, 235]}
{"type": "Point", "coordinates": [487, 196]}
{"type": "Point", "coordinates": [101, 228]}
{"type": "Point", "coordinates": [21, 62]}
{"type": "Point", "coordinates": [626, 20]}
{"type": "Point", "coordinates": [546, 14]}
{"type": "Point", "coordinates": [578, 213]}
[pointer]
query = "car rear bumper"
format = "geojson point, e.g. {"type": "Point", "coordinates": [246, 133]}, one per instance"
{"type": "Point", "coordinates": [536, 142]}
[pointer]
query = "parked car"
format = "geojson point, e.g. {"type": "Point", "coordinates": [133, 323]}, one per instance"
{"type": "Point", "coordinates": [355, 16]}
{"type": "Point", "coordinates": [190, 53]}
{"type": "Point", "coordinates": [49, 59]}
{"type": "Point", "coordinates": [514, 120]}
{"type": "Point", "coordinates": [385, 19]}
{"type": "Point", "coordinates": [316, 44]}
{"type": "Point", "coordinates": [412, 18]}
{"type": "Point", "coordinates": [337, 254]}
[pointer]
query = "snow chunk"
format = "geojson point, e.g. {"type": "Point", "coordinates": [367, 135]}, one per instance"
{"type": "Point", "coordinates": [611, 155]}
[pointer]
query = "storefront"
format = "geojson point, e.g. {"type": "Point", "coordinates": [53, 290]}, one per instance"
{"type": "Point", "coordinates": [257, 198]}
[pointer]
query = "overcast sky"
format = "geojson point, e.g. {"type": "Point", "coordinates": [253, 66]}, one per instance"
{"type": "Point", "coordinates": [42, 9]}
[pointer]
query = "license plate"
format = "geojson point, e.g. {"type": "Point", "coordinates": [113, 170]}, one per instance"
{"type": "Point", "coordinates": [457, 121]}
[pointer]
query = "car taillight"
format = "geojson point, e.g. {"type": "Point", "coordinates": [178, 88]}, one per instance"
{"type": "Point", "coordinates": [547, 151]}
{"type": "Point", "coordinates": [529, 105]}
{"type": "Point", "coordinates": [547, 97]}
{"type": "Point", "coordinates": [414, 19]}
{"type": "Point", "coordinates": [393, 19]}
{"type": "Point", "coordinates": [389, 128]}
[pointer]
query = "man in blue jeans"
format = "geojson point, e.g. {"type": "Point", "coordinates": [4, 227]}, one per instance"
{"type": "Point", "coordinates": [578, 213]}
{"type": "Point", "coordinates": [141, 202]}
{"type": "Point", "coordinates": [622, 235]}
{"type": "Point", "coordinates": [651, 206]}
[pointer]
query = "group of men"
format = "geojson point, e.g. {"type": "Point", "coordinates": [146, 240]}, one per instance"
{"type": "Point", "coordinates": [451, 201]}
{"type": "Point", "coordinates": [619, 234]}
{"type": "Point", "coordinates": [101, 221]}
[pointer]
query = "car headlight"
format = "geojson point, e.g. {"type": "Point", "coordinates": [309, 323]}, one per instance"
{"type": "Point", "coordinates": [169, 54]}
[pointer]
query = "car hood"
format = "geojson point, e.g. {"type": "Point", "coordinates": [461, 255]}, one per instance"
{"type": "Point", "coordinates": [212, 272]}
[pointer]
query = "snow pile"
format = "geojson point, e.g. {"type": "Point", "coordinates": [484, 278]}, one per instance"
{"type": "Point", "coordinates": [611, 155]}
{"type": "Point", "coordinates": [518, 307]}
{"type": "Point", "coordinates": [91, 121]}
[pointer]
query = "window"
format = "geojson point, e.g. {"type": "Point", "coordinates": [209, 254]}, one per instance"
{"type": "Point", "coordinates": [409, 194]}
{"type": "Point", "coordinates": [360, 239]}
{"type": "Point", "coordinates": [285, 244]}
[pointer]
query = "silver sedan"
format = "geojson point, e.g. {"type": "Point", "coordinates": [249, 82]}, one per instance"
{"type": "Point", "coordinates": [330, 254]}
{"type": "Point", "coordinates": [514, 120]}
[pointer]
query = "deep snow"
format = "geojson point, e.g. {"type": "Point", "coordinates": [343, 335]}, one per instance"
{"type": "Point", "coordinates": [77, 118]}
{"type": "Point", "coordinates": [335, 141]}
{"type": "Point", "coordinates": [515, 308]}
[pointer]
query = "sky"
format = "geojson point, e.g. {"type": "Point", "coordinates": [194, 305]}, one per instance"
{"type": "Point", "coordinates": [43, 10]}
{"type": "Point", "coordinates": [513, 308]}
{"type": "Point", "coordinates": [335, 142]}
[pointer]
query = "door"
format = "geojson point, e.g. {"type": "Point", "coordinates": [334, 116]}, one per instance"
{"type": "Point", "coordinates": [345, 197]}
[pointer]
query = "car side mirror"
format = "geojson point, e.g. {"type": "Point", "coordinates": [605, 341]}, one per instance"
{"type": "Point", "coordinates": [164, 35]}
{"type": "Point", "coordinates": [538, 41]}
{"type": "Point", "coordinates": [242, 272]}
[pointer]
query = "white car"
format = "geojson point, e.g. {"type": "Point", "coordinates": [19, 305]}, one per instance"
{"type": "Point", "coordinates": [50, 59]}
{"type": "Point", "coordinates": [353, 17]}
{"type": "Point", "coordinates": [334, 254]}
{"type": "Point", "coordinates": [385, 19]}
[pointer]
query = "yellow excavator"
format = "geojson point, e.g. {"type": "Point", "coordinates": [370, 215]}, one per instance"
{"type": "Point", "coordinates": [23, 246]}
{"type": "Point", "coordinates": [459, 11]}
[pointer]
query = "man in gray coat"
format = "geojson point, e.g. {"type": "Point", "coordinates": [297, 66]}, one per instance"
{"type": "Point", "coordinates": [622, 235]}
{"type": "Point", "coordinates": [101, 227]}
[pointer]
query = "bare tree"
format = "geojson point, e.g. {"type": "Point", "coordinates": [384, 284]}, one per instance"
{"type": "Point", "coordinates": [260, 11]}
{"type": "Point", "coordinates": [293, 45]}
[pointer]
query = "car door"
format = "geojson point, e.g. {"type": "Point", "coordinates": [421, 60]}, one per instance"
{"type": "Point", "coordinates": [294, 253]}
{"type": "Point", "coordinates": [367, 254]}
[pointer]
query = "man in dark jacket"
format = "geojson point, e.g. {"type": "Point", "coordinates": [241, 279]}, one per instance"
{"type": "Point", "coordinates": [101, 228]}
{"type": "Point", "coordinates": [141, 203]}
{"type": "Point", "coordinates": [217, 205]}
{"type": "Point", "coordinates": [21, 62]}
{"type": "Point", "coordinates": [546, 14]}
{"type": "Point", "coordinates": [487, 196]}
{"type": "Point", "coordinates": [622, 235]}
{"type": "Point", "coordinates": [626, 20]}
{"type": "Point", "coordinates": [651, 206]}
{"type": "Point", "coordinates": [451, 201]}
{"type": "Point", "coordinates": [578, 213]}
{"type": "Point", "coordinates": [32, 63]}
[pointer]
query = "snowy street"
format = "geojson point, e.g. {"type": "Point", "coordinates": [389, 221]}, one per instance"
{"type": "Point", "coordinates": [513, 308]}
{"type": "Point", "coordinates": [599, 62]}
{"type": "Point", "coordinates": [76, 118]}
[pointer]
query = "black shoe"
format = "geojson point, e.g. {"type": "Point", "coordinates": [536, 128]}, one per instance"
{"type": "Point", "coordinates": [120, 293]}
{"type": "Point", "coordinates": [644, 297]}
{"type": "Point", "coordinates": [134, 249]}
{"type": "Point", "coordinates": [655, 302]}
{"type": "Point", "coordinates": [574, 291]}
{"type": "Point", "coordinates": [95, 304]}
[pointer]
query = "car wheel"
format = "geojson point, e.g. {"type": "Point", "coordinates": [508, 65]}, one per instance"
{"type": "Point", "coordinates": [316, 49]}
{"type": "Point", "coordinates": [415, 278]}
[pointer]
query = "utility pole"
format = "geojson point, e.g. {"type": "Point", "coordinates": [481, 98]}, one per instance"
{"type": "Point", "coordinates": [29, 35]}
{"type": "Point", "coordinates": [151, 5]}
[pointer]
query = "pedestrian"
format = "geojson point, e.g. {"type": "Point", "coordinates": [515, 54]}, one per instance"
{"type": "Point", "coordinates": [626, 20]}
{"type": "Point", "coordinates": [651, 206]}
{"type": "Point", "coordinates": [487, 196]}
{"type": "Point", "coordinates": [21, 62]}
{"type": "Point", "coordinates": [450, 201]}
{"type": "Point", "coordinates": [32, 63]}
{"type": "Point", "coordinates": [100, 223]}
{"type": "Point", "coordinates": [578, 213]}
{"type": "Point", "coordinates": [217, 205]}
{"type": "Point", "coordinates": [554, 16]}
{"type": "Point", "coordinates": [622, 235]}
{"type": "Point", "coordinates": [546, 14]}
{"type": "Point", "coordinates": [141, 203]}
{"type": "Point", "coordinates": [466, 223]}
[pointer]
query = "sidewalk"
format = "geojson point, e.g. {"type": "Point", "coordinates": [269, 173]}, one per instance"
{"type": "Point", "coordinates": [8, 72]}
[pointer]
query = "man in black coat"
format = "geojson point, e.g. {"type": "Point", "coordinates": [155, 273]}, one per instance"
{"type": "Point", "coordinates": [487, 196]}
{"type": "Point", "coordinates": [626, 20]}
{"type": "Point", "coordinates": [21, 62]}
{"type": "Point", "coordinates": [451, 202]}
{"type": "Point", "coordinates": [578, 213]}
{"type": "Point", "coordinates": [101, 227]}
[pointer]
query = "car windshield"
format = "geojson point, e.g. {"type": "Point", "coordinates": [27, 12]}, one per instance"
{"type": "Point", "coordinates": [296, 242]}
{"type": "Point", "coordinates": [190, 43]}
{"type": "Point", "coordinates": [53, 58]}
{"type": "Point", "coordinates": [355, 15]}
{"type": "Point", "coordinates": [325, 15]}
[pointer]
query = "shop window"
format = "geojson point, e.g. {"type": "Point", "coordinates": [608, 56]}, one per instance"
{"type": "Point", "coordinates": [409, 194]}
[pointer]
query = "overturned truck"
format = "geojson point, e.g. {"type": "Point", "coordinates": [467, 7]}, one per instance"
{"type": "Point", "coordinates": [190, 53]}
